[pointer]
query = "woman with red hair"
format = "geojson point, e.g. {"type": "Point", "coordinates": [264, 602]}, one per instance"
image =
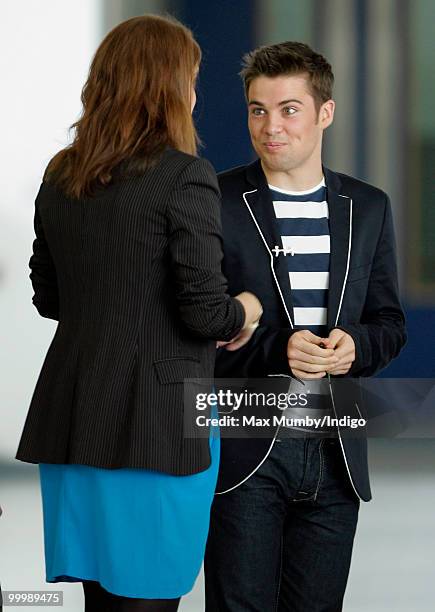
{"type": "Point", "coordinates": [127, 258]}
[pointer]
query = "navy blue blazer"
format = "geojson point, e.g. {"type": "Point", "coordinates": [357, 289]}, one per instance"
{"type": "Point", "coordinates": [363, 297]}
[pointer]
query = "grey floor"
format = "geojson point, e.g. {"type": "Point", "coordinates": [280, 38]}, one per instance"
{"type": "Point", "coordinates": [393, 567]}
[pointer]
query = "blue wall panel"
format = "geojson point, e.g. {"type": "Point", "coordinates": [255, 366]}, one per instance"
{"type": "Point", "coordinates": [225, 31]}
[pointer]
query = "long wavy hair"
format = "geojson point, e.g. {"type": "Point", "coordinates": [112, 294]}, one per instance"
{"type": "Point", "coordinates": [136, 102]}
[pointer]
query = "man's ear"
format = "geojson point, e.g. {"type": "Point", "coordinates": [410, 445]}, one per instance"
{"type": "Point", "coordinates": [326, 113]}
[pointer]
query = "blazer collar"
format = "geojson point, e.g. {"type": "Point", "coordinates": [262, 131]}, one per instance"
{"type": "Point", "coordinates": [340, 207]}
{"type": "Point", "coordinates": [259, 201]}
{"type": "Point", "coordinates": [256, 177]}
{"type": "Point", "coordinates": [340, 223]}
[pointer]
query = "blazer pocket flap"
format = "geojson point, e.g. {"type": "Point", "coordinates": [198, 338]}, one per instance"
{"type": "Point", "coordinates": [176, 369]}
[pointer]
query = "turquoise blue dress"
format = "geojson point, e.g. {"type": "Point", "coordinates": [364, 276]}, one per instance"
{"type": "Point", "coordinates": [138, 533]}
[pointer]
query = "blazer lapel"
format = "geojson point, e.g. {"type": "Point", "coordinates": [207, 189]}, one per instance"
{"type": "Point", "coordinates": [340, 226]}
{"type": "Point", "coordinates": [260, 205]}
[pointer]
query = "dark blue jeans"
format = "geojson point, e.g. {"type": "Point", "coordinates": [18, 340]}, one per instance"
{"type": "Point", "coordinates": [282, 541]}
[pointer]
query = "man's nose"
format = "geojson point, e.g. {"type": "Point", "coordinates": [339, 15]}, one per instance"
{"type": "Point", "coordinates": [273, 125]}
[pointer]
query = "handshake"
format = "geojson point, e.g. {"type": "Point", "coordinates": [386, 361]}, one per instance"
{"type": "Point", "coordinates": [310, 356]}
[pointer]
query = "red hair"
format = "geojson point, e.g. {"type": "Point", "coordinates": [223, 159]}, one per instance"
{"type": "Point", "coordinates": [136, 102]}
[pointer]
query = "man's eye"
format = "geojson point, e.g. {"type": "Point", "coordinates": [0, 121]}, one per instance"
{"type": "Point", "coordinates": [257, 111]}
{"type": "Point", "coordinates": [289, 110]}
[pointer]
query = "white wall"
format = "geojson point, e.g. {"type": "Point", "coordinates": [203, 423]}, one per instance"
{"type": "Point", "coordinates": [45, 51]}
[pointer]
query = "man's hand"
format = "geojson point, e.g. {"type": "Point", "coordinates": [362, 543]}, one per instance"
{"type": "Point", "coordinates": [344, 348]}
{"type": "Point", "coordinates": [305, 357]}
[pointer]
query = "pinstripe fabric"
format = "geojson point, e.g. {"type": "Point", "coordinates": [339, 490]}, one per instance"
{"type": "Point", "coordinates": [134, 277]}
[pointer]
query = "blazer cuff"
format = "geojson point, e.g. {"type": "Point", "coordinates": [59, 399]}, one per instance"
{"type": "Point", "coordinates": [277, 361]}
{"type": "Point", "coordinates": [363, 350]}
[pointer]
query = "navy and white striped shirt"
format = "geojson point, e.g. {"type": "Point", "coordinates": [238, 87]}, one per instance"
{"type": "Point", "coordinates": [303, 223]}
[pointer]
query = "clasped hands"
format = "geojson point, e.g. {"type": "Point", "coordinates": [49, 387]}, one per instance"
{"type": "Point", "coordinates": [307, 359]}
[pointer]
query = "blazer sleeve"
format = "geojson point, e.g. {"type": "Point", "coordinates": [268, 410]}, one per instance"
{"type": "Point", "coordinates": [381, 334]}
{"type": "Point", "coordinates": [43, 273]}
{"type": "Point", "coordinates": [265, 354]}
{"type": "Point", "coordinates": [195, 247]}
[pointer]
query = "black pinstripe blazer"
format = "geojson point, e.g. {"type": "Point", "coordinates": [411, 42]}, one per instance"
{"type": "Point", "coordinates": [133, 275]}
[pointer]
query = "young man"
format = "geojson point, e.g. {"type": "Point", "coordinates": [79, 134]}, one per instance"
{"type": "Point", "coordinates": [317, 248]}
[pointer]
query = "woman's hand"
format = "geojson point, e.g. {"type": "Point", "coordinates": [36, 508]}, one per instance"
{"type": "Point", "coordinates": [253, 312]}
{"type": "Point", "coordinates": [240, 340]}
{"type": "Point", "coordinates": [252, 306]}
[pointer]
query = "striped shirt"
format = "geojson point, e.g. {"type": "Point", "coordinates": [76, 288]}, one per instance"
{"type": "Point", "coordinates": [302, 219]}
{"type": "Point", "coordinates": [303, 224]}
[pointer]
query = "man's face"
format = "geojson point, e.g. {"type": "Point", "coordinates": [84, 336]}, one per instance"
{"type": "Point", "coordinates": [286, 129]}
